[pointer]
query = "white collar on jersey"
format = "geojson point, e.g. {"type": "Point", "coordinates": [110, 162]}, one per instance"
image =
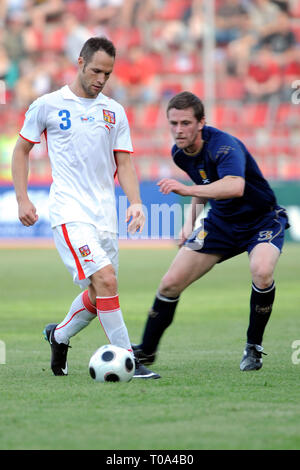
{"type": "Point", "coordinates": [69, 95]}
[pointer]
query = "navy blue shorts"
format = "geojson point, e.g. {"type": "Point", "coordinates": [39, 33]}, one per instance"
{"type": "Point", "coordinates": [219, 236]}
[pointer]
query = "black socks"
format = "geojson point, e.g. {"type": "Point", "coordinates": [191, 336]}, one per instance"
{"type": "Point", "coordinates": [160, 317]}
{"type": "Point", "coordinates": [261, 303]}
{"type": "Point", "coordinates": [163, 310]}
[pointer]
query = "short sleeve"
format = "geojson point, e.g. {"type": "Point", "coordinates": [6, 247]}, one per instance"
{"type": "Point", "coordinates": [230, 159]}
{"type": "Point", "coordinates": [34, 124]}
{"type": "Point", "coordinates": [122, 140]}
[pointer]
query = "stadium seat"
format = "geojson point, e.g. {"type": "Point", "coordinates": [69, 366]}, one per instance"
{"type": "Point", "coordinates": [226, 116]}
{"type": "Point", "coordinates": [148, 117]}
{"type": "Point", "coordinates": [254, 115]}
{"type": "Point", "coordinates": [121, 38]}
{"type": "Point", "coordinates": [288, 114]}
{"type": "Point", "coordinates": [290, 170]}
{"type": "Point", "coordinates": [230, 88]}
{"type": "Point", "coordinates": [198, 87]}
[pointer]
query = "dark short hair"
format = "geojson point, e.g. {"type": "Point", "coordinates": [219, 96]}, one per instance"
{"type": "Point", "coordinates": [185, 100]}
{"type": "Point", "coordinates": [93, 45]}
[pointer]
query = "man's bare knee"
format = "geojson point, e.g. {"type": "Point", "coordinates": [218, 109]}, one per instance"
{"type": "Point", "coordinates": [170, 286]}
{"type": "Point", "coordinates": [262, 277]}
{"type": "Point", "coordinates": [104, 282]}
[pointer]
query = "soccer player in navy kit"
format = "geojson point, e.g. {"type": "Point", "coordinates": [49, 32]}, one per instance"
{"type": "Point", "coordinates": [244, 216]}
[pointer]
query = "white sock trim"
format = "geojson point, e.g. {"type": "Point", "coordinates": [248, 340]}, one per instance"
{"type": "Point", "coordinates": [166, 299]}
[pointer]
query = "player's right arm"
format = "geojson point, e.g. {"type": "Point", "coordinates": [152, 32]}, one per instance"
{"type": "Point", "coordinates": [20, 168]}
{"type": "Point", "coordinates": [195, 209]}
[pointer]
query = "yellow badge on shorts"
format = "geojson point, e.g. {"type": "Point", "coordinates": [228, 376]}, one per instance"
{"type": "Point", "coordinates": [201, 235]}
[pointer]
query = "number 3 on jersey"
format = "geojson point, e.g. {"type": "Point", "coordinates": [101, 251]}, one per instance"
{"type": "Point", "coordinates": [65, 117]}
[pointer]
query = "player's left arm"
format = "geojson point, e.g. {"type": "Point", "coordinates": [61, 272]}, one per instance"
{"type": "Point", "coordinates": [129, 183]}
{"type": "Point", "coordinates": [226, 188]}
{"type": "Point", "coordinates": [229, 161]}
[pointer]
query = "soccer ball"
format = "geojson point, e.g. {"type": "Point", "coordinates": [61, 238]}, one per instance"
{"type": "Point", "coordinates": [111, 364]}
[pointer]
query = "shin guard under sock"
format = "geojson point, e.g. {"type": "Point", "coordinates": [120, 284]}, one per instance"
{"type": "Point", "coordinates": [261, 303]}
{"type": "Point", "coordinates": [160, 317]}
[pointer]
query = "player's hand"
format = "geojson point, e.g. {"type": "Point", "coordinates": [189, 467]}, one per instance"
{"type": "Point", "coordinates": [136, 218]}
{"type": "Point", "coordinates": [27, 213]}
{"type": "Point", "coordinates": [183, 235]}
{"type": "Point", "coordinates": [168, 185]}
{"type": "Point", "coordinates": [180, 240]}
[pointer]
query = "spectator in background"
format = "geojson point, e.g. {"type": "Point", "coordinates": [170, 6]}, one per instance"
{"type": "Point", "coordinates": [8, 69]}
{"type": "Point", "coordinates": [64, 71]}
{"type": "Point", "coordinates": [137, 73]}
{"type": "Point", "coordinates": [284, 5]}
{"type": "Point", "coordinates": [170, 35]}
{"type": "Point", "coordinates": [231, 18]}
{"type": "Point", "coordinates": [12, 36]}
{"type": "Point", "coordinates": [195, 22]}
{"type": "Point", "coordinates": [263, 16]}
{"type": "Point", "coordinates": [78, 8]}
{"type": "Point", "coordinates": [260, 23]}
{"type": "Point", "coordinates": [33, 34]}
{"type": "Point", "coordinates": [281, 38]}
{"type": "Point", "coordinates": [36, 79]}
{"type": "Point", "coordinates": [75, 35]}
{"type": "Point", "coordinates": [49, 8]}
{"type": "Point", "coordinates": [9, 8]}
{"type": "Point", "coordinates": [105, 11]}
{"type": "Point", "coordinates": [136, 13]}
{"type": "Point", "coordinates": [270, 29]}
{"type": "Point", "coordinates": [263, 78]}
{"type": "Point", "coordinates": [42, 34]}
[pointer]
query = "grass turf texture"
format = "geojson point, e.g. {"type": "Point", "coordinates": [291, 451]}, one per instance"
{"type": "Point", "coordinates": [203, 401]}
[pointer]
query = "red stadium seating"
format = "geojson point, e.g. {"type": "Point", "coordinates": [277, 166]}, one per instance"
{"type": "Point", "coordinates": [288, 114]}
{"type": "Point", "coordinates": [295, 9]}
{"type": "Point", "coordinates": [230, 88]}
{"type": "Point", "coordinates": [172, 9]}
{"type": "Point", "coordinates": [226, 116]}
{"type": "Point", "coordinates": [149, 118]}
{"type": "Point", "coordinates": [198, 87]}
{"type": "Point", "coordinates": [254, 115]}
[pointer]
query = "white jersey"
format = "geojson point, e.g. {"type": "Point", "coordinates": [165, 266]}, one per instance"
{"type": "Point", "coordinates": [81, 140]}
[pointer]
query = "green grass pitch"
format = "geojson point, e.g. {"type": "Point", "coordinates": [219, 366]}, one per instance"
{"type": "Point", "coordinates": [203, 401]}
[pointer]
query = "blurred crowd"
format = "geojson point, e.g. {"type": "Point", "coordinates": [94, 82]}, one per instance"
{"type": "Point", "coordinates": [159, 53]}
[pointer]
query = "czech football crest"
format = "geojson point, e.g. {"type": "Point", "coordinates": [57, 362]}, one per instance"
{"type": "Point", "coordinates": [84, 250]}
{"type": "Point", "coordinates": [109, 116]}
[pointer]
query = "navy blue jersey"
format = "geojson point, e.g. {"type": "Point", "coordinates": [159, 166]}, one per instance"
{"type": "Point", "coordinates": [222, 155]}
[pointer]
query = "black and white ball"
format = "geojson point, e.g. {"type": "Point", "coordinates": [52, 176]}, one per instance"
{"type": "Point", "coordinates": [111, 364]}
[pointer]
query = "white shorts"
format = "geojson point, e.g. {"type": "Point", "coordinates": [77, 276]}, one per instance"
{"type": "Point", "coordinates": [84, 250]}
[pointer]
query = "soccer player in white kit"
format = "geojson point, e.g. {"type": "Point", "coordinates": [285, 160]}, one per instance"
{"type": "Point", "coordinates": [88, 142]}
